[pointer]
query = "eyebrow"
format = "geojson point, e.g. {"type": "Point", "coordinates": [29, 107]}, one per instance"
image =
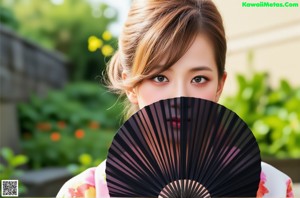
{"type": "Point", "coordinates": [201, 68]}
{"type": "Point", "coordinates": [194, 69]}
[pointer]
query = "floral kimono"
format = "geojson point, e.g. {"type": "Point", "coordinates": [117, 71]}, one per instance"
{"type": "Point", "coordinates": [92, 183]}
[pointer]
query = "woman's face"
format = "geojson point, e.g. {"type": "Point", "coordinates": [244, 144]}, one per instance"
{"type": "Point", "coordinates": [194, 75]}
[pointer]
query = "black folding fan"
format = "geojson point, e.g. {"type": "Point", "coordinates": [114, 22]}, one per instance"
{"type": "Point", "coordinates": [183, 147]}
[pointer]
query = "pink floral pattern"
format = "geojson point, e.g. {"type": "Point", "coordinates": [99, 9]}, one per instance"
{"type": "Point", "coordinates": [289, 191]}
{"type": "Point", "coordinates": [82, 190]}
{"type": "Point", "coordinates": [92, 183]}
{"type": "Point", "coordinates": [262, 190]}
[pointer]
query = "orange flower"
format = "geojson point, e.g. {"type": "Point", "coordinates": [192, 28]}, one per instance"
{"type": "Point", "coordinates": [55, 136]}
{"type": "Point", "coordinates": [94, 125]}
{"type": "Point", "coordinates": [79, 133]}
{"type": "Point", "coordinates": [44, 126]}
{"type": "Point", "coordinates": [61, 124]}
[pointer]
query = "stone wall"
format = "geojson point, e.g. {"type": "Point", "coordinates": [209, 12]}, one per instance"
{"type": "Point", "coordinates": [25, 68]}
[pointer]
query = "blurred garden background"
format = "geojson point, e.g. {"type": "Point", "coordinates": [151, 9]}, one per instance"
{"type": "Point", "coordinates": [57, 114]}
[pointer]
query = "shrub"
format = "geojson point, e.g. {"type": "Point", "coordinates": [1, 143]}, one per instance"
{"type": "Point", "coordinates": [81, 118]}
{"type": "Point", "coordinates": [10, 168]}
{"type": "Point", "coordinates": [273, 114]}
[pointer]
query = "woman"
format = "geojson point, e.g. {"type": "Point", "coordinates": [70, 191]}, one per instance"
{"type": "Point", "coordinates": [169, 48]}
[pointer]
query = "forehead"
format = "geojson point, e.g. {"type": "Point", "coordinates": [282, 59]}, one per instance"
{"type": "Point", "coordinates": [200, 51]}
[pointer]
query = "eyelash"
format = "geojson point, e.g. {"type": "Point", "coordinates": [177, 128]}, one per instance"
{"type": "Point", "coordinates": [166, 79]}
{"type": "Point", "coordinates": [202, 78]}
{"type": "Point", "coordinates": [156, 78]}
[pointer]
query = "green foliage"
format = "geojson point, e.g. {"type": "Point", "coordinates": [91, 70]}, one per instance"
{"type": "Point", "coordinates": [272, 114]}
{"type": "Point", "coordinates": [85, 161]}
{"type": "Point", "coordinates": [57, 129]}
{"type": "Point", "coordinates": [10, 170]}
{"type": "Point", "coordinates": [61, 148]}
{"type": "Point", "coordinates": [8, 18]}
{"type": "Point", "coordinates": [66, 28]}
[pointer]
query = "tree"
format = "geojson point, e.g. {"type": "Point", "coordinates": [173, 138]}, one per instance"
{"type": "Point", "coordinates": [66, 27]}
{"type": "Point", "coordinates": [7, 17]}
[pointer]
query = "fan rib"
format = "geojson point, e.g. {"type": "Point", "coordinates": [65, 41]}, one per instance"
{"type": "Point", "coordinates": [212, 152]}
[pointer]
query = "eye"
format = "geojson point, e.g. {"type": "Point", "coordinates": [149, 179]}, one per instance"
{"type": "Point", "coordinates": [160, 78]}
{"type": "Point", "coordinates": [199, 79]}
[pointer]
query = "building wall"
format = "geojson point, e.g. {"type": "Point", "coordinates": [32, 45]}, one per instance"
{"type": "Point", "coordinates": [272, 34]}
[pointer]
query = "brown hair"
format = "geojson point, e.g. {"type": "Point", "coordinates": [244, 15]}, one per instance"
{"type": "Point", "coordinates": [158, 30]}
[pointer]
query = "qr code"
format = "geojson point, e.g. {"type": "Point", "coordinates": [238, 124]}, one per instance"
{"type": "Point", "coordinates": [9, 188]}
